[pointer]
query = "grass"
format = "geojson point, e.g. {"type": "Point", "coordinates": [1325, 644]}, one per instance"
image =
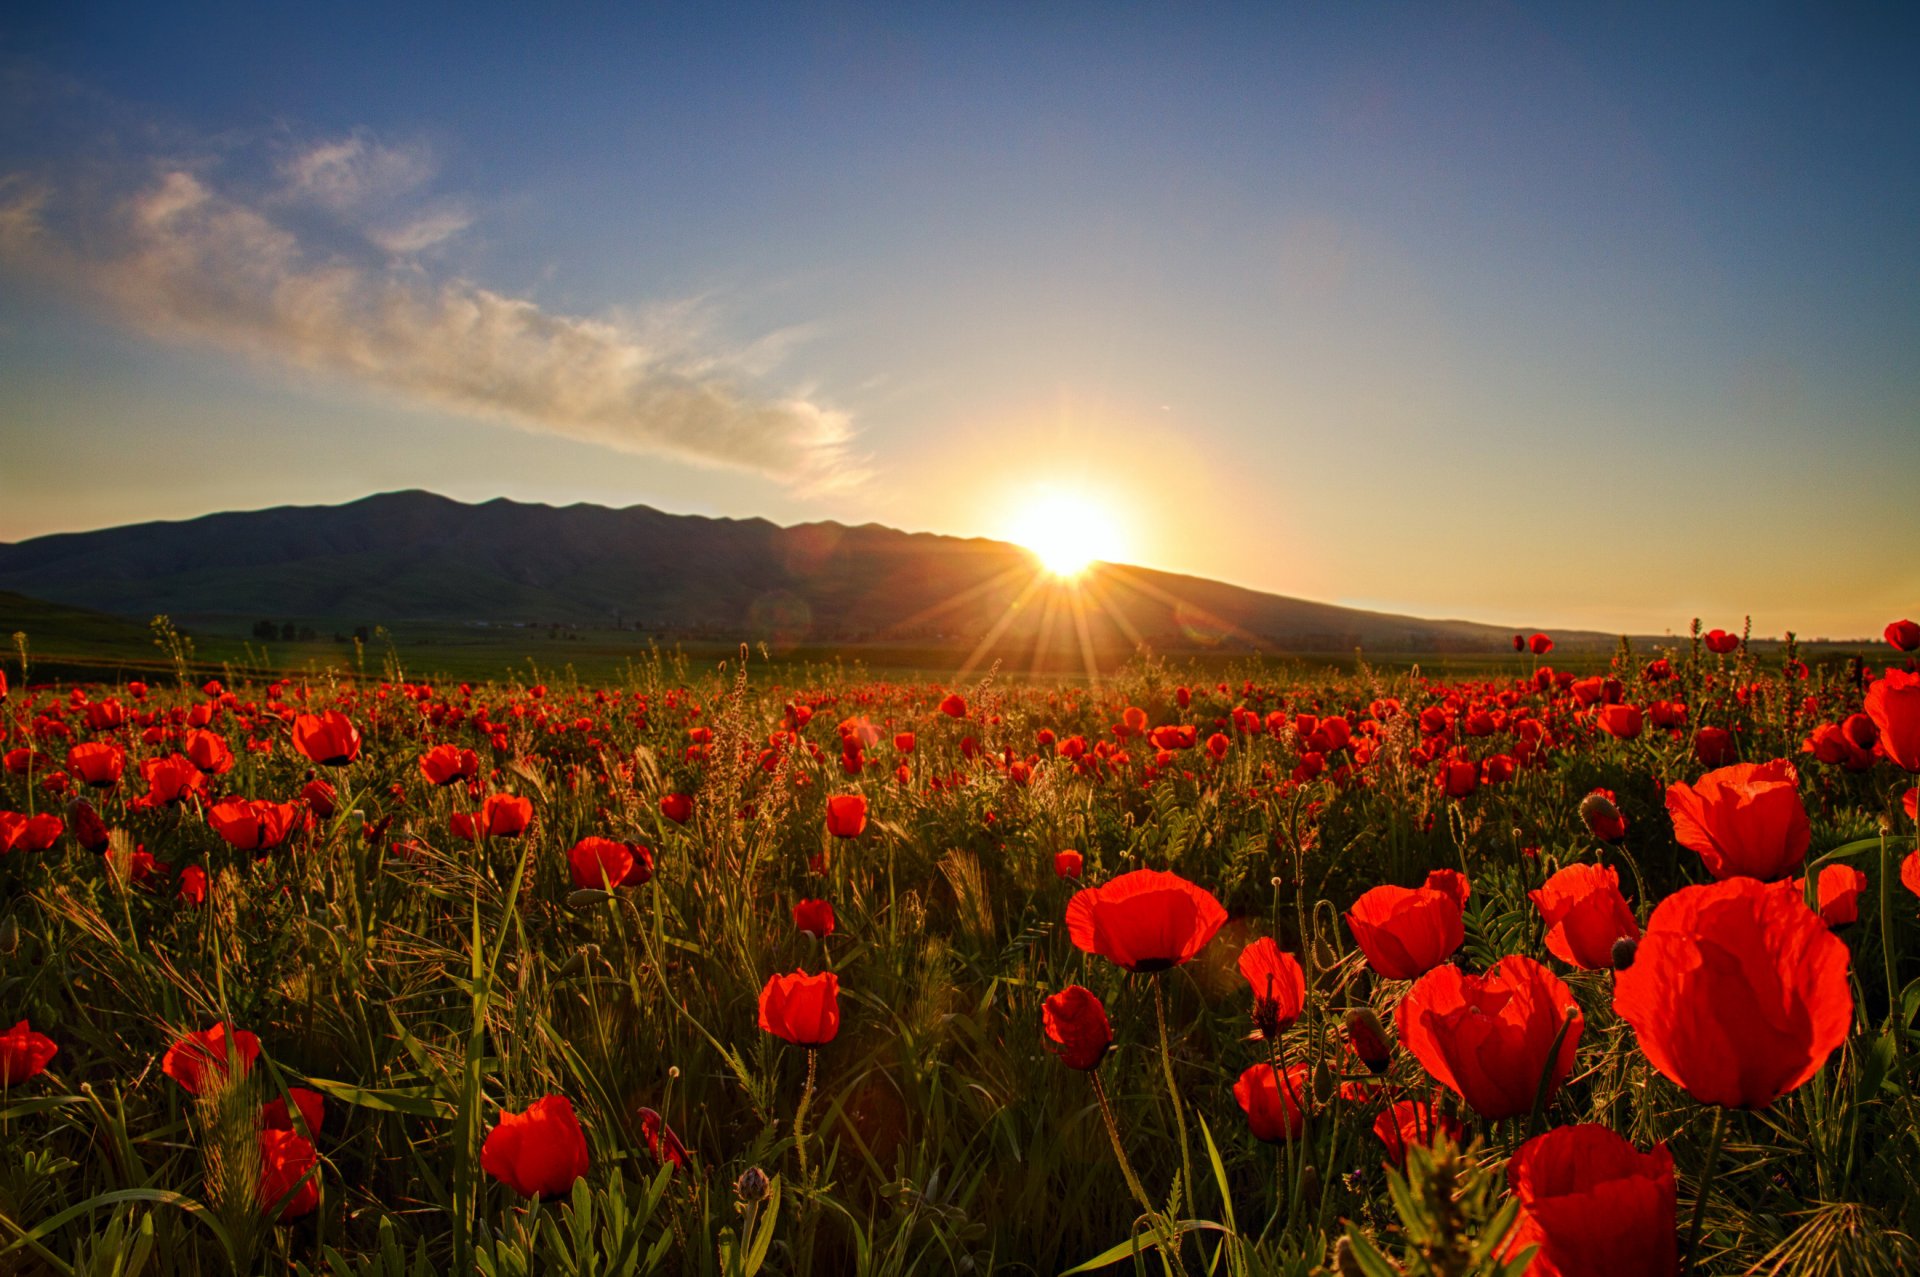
{"type": "Point", "coordinates": [424, 984]}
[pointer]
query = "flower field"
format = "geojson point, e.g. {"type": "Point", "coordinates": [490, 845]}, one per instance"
{"type": "Point", "coordinates": [1284, 972]}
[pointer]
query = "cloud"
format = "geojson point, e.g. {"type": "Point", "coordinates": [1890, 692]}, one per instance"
{"type": "Point", "coordinates": [178, 258]}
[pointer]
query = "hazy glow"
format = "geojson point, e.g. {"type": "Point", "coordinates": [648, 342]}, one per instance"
{"type": "Point", "coordinates": [1068, 531]}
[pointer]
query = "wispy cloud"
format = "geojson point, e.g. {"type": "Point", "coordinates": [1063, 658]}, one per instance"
{"type": "Point", "coordinates": [182, 256]}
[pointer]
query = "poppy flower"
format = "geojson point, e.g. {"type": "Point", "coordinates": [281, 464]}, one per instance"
{"type": "Point", "coordinates": [1408, 1122]}
{"type": "Point", "coordinates": [1714, 747]}
{"type": "Point", "coordinates": [1904, 635]}
{"type": "Point", "coordinates": [1720, 642]}
{"type": "Point", "coordinates": [1910, 872]}
{"type": "Point", "coordinates": [1406, 931]}
{"type": "Point", "coordinates": [1273, 1110]}
{"type": "Point", "coordinates": [954, 705]}
{"type": "Point", "coordinates": [193, 885]}
{"type": "Point", "coordinates": [804, 1009]}
{"type": "Point", "coordinates": [1279, 985]}
{"type": "Point", "coordinates": [903, 742]}
{"type": "Point", "coordinates": [1452, 882]}
{"type": "Point", "coordinates": [661, 1141]}
{"type": "Point", "coordinates": [1145, 921]}
{"type": "Point", "coordinates": [815, 917]}
{"type": "Point", "coordinates": [1076, 1023]}
{"type": "Point", "coordinates": [97, 763]}
{"type": "Point", "coordinates": [252, 825]}
{"type": "Point", "coordinates": [677, 807]}
{"type": "Point", "coordinates": [602, 862]}
{"type": "Point", "coordinates": [1585, 915]}
{"type": "Point", "coordinates": [20, 832]}
{"type": "Point", "coordinates": [445, 764]}
{"type": "Point", "coordinates": [1540, 645]}
{"type": "Point", "coordinates": [1602, 817]}
{"type": "Point", "coordinates": [199, 1059]}
{"type": "Point", "coordinates": [1622, 722]}
{"type": "Point", "coordinates": [500, 816]}
{"type": "Point", "coordinates": [1744, 820]}
{"type": "Point", "coordinates": [88, 829]}
{"type": "Point", "coordinates": [209, 752]}
{"type": "Point", "coordinates": [539, 1152]}
{"type": "Point", "coordinates": [846, 815]}
{"type": "Point", "coordinates": [1367, 1038]}
{"type": "Point", "coordinates": [1594, 1204]}
{"type": "Point", "coordinates": [285, 1160]}
{"type": "Point", "coordinates": [309, 1104]}
{"type": "Point", "coordinates": [1738, 992]}
{"type": "Point", "coordinates": [24, 1054]}
{"type": "Point", "coordinates": [1068, 864]}
{"type": "Point", "coordinates": [321, 798]}
{"type": "Point", "coordinates": [1893, 703]}
{"type": "Point", "coordinates": [1490, 1039]}
{"type": "Point", "coordinates": [1838, 888]}
{"type": "Point", "coordinates": [329, 739]}
{"type": "Point", "coordinates": [171, 779]}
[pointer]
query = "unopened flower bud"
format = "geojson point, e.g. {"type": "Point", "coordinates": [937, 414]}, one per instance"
{"type": "Point", "coordinates": [752, 1184]}
{"type": "Point", "coordinates": [1345, 1262]}
{"type": "Point", "coordinates": [1369, 1039]}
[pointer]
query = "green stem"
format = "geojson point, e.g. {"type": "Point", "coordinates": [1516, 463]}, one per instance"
{"type": "Point", "coordinates": [1119, 1150]}
{"type": "Point", "coordinates": [1706, 1186]}
{"type": "Point", "coordinates": [1173, 1091]}
{"type": "Point", "coordinates": [800, 1115]}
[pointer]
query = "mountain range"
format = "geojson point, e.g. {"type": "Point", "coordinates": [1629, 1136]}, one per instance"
{"type": "Point", "coordinates": [411, 557]}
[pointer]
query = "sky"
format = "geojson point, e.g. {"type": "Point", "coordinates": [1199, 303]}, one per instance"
{"type": "Point", "coordinates": [1580, 316]}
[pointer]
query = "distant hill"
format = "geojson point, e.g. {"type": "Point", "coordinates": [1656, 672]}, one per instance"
{"type": "Point", "coordinates": [407, 557]}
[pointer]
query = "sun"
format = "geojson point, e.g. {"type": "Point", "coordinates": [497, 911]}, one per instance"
{"type": "Point", "coordinates": [1067, 531]}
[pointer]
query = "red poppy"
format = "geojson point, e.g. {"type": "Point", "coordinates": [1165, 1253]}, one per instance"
{"type": "Point", "coordinates": [1452, 882]}
{"type": "Point", "coordinates": [602, 862]}
{"type": "Point", "coordinates": [661, 1141]}
{"type": "Point", "coordinates": [97, 763]}
{"type": "Point", "coordinates": [321, 798]}
{"type": "Point", "coordinates": [171, 779]}
{"type": "Point", "coordinates": [1595, 1205]}
{"type": "Point", "coordinates": [804, 1009]}
{"type": "Point", "coordinates": [1145, 921]}
{"type": "Point", "coordinates": [20, 832]}
{"type": "Point", "coordinates": [1490, 1039]}
{"type": "Point", "coordinates": [286, 1159]}
{"type": "Point", "coordinates": [677, 807]}
{"type": "Point", "coordinates": [329, 739]}
{"type": "Point", "coordinates": [903, 742]}
{"type": "Point", "coordinates": [252, 825]}
{"type": "Point", "coordinates": [309, 1105]}
{"type": "Point", "coordinates": [1720, 642]}
{"type": "Point", "coordinates": [1904, 635]}
{"type": "Point", "coordinates": [193, 885]}
{"type": "Point", "coordinates": [1408, 1122]}
{"type": "Point", "coordinates": [1744, 820]}
{"type": "Point", "coordinates": [1839, 888]}
{"type": "Point", "coordinates": [1585, 915]}
{"type": "Point", "coordinates": [1068, 864]}
{"type": "Point", "coordinates": [197, 1059]}
{"type": "Point", "coordinates": [1406, 931]}
{"type": "Point", "coordinates": [1367, 1038]}
{"type": "Point", "coordinates": [1714, 747]}
{"type": "Point", "coordinates": [1274, 1112]}
{"type": "Point", "coordinates": [1910, 872]}
{"type": "Point", "coordinates": [815, 917]}
{"type": "Point", "coordinates": [954, 705]}
{"type": "Point", "coordinates": [1076, 1023]}
{"type": "Point", "coordinates": [1279, 985]}
{"type": "Point", "coordinates": [1540, 645]}
{"type": "Point", "coordinates": [846, 815]}
{"type": "Point", "coordinates": [209, 752]}
{"type": "Point", "coordinates": [1622, 722]}
{"type": "Point", "coordinates": [1519, 642]}
{"type": "Point", "coordinates": [445, 764]}
{"type": "Point", "coordinates": [88, 829]}
{"type": "Point", "coordinates": [1602, 816]}
{"type": "Point", "coordinates": [539, 1152]}
{"type": "Point", "coordinates": [1738, 992]}
{"type": "Point", "coordinates": [24, 1054]}
{"type": "Point", "coordinates": [500, 816]}
{"type": "Point", "coordinates": [1893, 703]}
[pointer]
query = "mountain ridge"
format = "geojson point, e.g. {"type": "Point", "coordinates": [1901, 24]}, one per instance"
{"type": "Point", "coordinates": [419, 556]}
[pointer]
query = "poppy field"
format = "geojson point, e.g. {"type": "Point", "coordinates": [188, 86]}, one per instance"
{"type": "Point", "coordinates": [1610, 971]}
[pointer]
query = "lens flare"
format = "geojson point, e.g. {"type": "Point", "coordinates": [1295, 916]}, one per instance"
{"type": "Point", "coordinates": [1067, 531]}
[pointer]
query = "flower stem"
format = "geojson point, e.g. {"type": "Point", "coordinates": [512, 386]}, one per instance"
{"type": "Point", "coordinates": [800, 1115]}
{"type": "Point", "coordinates": [1706, 1186]}
{"type": "Point", "coordinates": [1173, 1091]}
{"type": "Point", "coordinates": [1119, 1149]}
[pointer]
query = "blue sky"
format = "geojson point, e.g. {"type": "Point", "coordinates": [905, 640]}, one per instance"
{"type": "Point", "coordinates": [1576, 315]}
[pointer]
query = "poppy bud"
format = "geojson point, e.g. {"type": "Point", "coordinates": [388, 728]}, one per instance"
{"type": "Point", "coordinates": [1602, 817]}
{"type": "Point", "coordinates": [1323, 1083]}
{"type": "Point", "coordinates": [1623, 950]}
{"type": "Point", "coordinates": [1310, 1182]}
{"type": "Point", "coordinates": [752, 1184]}
{"type": "Point", "coordinates": [1369, 1039]}
{"type": "Point", "coordinates": [9, 936]}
